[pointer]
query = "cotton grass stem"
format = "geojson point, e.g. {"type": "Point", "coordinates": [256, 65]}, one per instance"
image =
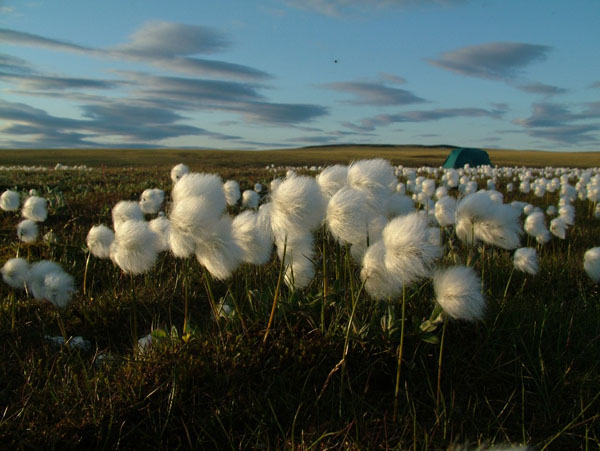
{"type": "Point", "coordinates": [276, 295]}
{"type": "Point", "coordinates": [325, 282]}
{"type": "Point", "coordinates": [400, 352]}
{"type": "Point", "coordinates": [85, 271]}
{"type": "Point", "coordinates": [508, 283]}
{"type": "Point", "coordinates": [134, 318]}
{"type": "Point", "coordinates": [438, 390]}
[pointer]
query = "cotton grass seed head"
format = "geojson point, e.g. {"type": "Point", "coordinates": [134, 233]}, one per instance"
{"type": "Point", "coordinates": [15, 272]}
{"type": "Point", "coordinates": [332, 179]}
{"type": "Point", "coordinates": [135, 247]}
{"type": "Point", "coordinates": [9, 201]}
{"type": "Point", "coordinates": [35, 208]}
{"type": "Point", "coordinates": [126, 210]}
{"type": "Point", "coordinates": [399, 205]}
{"type": "Point", "coordinates": [99, 239]}
{"type": "Point", "coordinates": [47, 280]}
{"type": "Point", "coordinates": [373, 273]}
{"type": "Point", "coordinates": [558, 227]}
{"type": "Point", "coordinates": [232, 192]}
{"type": "Point", "coordinates": [525, 259]}
{"type": "Point", "coordinates": [255, 240]}
{"type": "Point", "coordinates": [409, 252]}
{"type": "Point", "coordinates": [591, 263]}
{"type": "Point", "coordinates": [250, 199]}
{"type": "Point", "coordinates": [27, 231]}
{"type": "Point", "coordinates": [218, 252]}
{"type": "Point", "coordinates": [192, 219]}
{"type": "Point", "coordinates": [58, 288]}
{"type": "Point", "coordinates": [209, 186]}
{"type": "Point", "coordinates": [350, 217]}
{"type": "Point", "coordinates": [444, 209]}
{"type": "Point", "coordinates": [375, 176]}
{"type": "Point", "coordinates": [298, 206]}
{"type": "Point", "coordinates": [478, 217]}
{"type": "Point", "coordinates": [457, 291]}
{"type": "Point", "coordinates": [151, 200]}
{"type": "Point", "coordinates": [179, 171]}
{"type": "Point", "coordinates": [161, 226]}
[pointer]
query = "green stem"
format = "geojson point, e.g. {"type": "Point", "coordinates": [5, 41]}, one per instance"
{"type": "Point", "coordinates": [276, 295]}
{"type": "Point", "coordinates": [439, 374]}
{"type": "Point", "coordinates": [399, 352]}
{"type": "Point", "coordinates": [324, 256]}
{"type": "Point", "coordinates": [87, 264]}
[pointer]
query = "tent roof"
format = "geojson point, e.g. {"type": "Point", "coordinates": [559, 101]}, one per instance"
{"type": "Point", "coordinates": [461, 156]}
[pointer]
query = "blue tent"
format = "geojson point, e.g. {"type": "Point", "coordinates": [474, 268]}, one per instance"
{"type": "Point", "coordinates": [461, 156]}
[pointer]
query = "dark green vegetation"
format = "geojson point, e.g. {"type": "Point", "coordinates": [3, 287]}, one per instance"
{"type": "Point", "coordinates": [318, 155]}
{"type": "Point", "coordinates": [324, 378]}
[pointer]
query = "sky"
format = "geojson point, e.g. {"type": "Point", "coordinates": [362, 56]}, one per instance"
{"type": "Point", "coordinates": [267, 74]}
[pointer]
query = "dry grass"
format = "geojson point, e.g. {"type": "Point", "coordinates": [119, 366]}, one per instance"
{"type": "Point", "coordinates": [405, 155]}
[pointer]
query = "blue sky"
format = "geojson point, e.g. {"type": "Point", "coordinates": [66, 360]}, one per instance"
{"type": "Point", "coordinates": [241, 74]}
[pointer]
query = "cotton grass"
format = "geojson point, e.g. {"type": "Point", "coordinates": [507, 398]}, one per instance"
{"type": "Point", "coordinates": [591, 263]}
{"type": "Point", "coordinates": [35, 208]}
{"type": "Point", "coordinates": [27, 231]}
{"type": "Point", "coordinates": [134, 248]}
{"type": "Point", "coordinates": [15, 272]}
{"type": "Point", "coordinates": [457, 291]}
{"type": "Point", "coordinates": [525, 259]}
{"type": "Point", "coordinates": [99, 239]}
{"type": "Point", "coordinates": [10, 200]}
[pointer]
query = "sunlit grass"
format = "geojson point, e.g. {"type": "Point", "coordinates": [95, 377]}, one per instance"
{"type": "Point", "coordinates": [325, 376]}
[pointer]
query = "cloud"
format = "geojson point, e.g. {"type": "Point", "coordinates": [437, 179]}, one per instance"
{"type": "Point", "coordinates": [31, 82]}
{"type": "Point", "coordinates": [391, 78]}
{"type": "Point", "coordinates": [338, 8]}
{"type": "Point", "coordinates": [167, 39]}
{"type": "Point", "coordinates": [281, 113]}
{"type": "Point", "coordinates": [162, 44]}
{"type": "Point", "coordinates": [14, 65]}
{"type": "Point", "coordinates": [541, 88]}
{"type": "Point", "coordinates": [371, 124]}
{"type": "Point", "coordinates": [376, 94]}
{"type": "Point", "coordinates": [116, 119]}
{"type": "Point", "coordinates": [496, 60]}
{"type": "Point", "coordinates": [596, 84]}
{"type": "Point", "coordinates": [29, 39]}
{"type": "Point", "coordinates": [556, 122]}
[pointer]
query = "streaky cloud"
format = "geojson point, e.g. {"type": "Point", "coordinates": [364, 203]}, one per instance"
{"type": "Point", "coordinates": [34, 40]}
{"type": "Point", "coordinates": [167, 39]}
{"type": "Point", "coordinates": [495, 60]}
{"type": "Point", "coordinates": [376, 94]}
{"type": "Point", "coordinates": [541, 88]}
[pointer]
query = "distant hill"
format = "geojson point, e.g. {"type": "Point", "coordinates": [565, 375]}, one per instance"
{"type": "Point", "coordinates": [407, 155]}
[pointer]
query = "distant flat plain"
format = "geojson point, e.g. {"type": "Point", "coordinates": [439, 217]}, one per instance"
{"type": "Point", "coordinates": [407, 155]}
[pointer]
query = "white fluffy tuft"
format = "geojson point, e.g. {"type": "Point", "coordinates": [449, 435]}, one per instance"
{"type": "Point", "coordinates": [458, 292]}
{"type": "Point", "coordinates": [99, 239]}
{"type": "Point", "coordinates": [135, 247]}
{"type": "Point", "coordinates": [35, 208]}
{"type": "Point", "coordinates": [591, 263]}
{"type": "Point", "coordinates": [126, 210]}
{"type": "Point", "coordinates": [250, 199]}
{"type": "Point", "coordinates": [209, 186]}
{"type": "Point", "coordinates": [525, 259]}
{"type": "Point", "coordinates": [332, 179]}
{"type": "Point", "coordinates": [232, 192]}
{"type": "Point", "coordinates": [15, 272]}
{"type": "Point", "coordinates": [151, 200]}
{"type": "Point", "coordinates": [10, 200]}
{"type": "Point", "coordinates": [179, 171]}
{"type": "Point", "coordinates": [27, 231]}
{"type": "Point", "coordinates": [478, 217]}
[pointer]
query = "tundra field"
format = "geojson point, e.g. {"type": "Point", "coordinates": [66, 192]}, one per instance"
{"type": "Point", "coordinates": [376, 303]}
